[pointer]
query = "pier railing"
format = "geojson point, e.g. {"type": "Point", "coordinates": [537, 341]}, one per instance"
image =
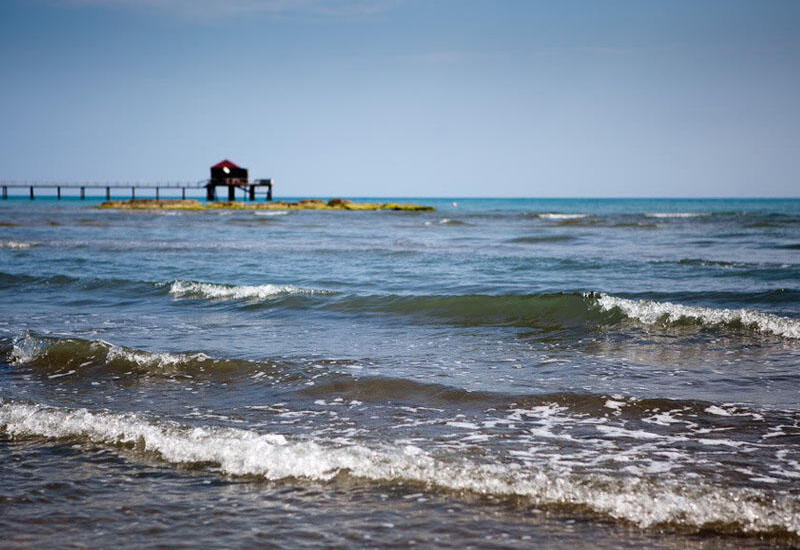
{"type": "Point", "coordinates": [81, 187]}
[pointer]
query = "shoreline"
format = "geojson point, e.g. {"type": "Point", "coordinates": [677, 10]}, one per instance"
{"type": "Point", "coordinates": [307, 204]}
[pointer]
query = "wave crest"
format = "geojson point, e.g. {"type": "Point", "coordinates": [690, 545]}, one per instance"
{"type": "Point", "coordinates": [57, 357]}
{"type": "Point", "coordinates": [675, 214]}
{"type": "Point", "coordinates": [559, 216]}
{"type": "Point", "coordinates": [651, 312]}
{"type": "Point", "coordinates": [644, 502]}
{"type": "Point", "coordinates": [213, 291]}
{"type": "Point", "coordinates": [17, 245]}
{"type": "Point", "coordinates": [559, 311]}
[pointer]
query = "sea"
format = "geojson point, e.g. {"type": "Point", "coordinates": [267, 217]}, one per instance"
{"type": "Point", "coordinates": [497, 373]}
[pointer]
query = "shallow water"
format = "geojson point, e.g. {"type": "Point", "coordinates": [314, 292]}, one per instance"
{"type": "Point", "coordinates": [498, 373]}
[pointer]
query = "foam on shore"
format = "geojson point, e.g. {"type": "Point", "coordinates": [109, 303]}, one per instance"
{"type": "Point", "coordinates": [644, 501]}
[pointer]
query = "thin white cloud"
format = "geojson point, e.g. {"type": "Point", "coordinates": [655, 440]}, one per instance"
{"type": "Point", "coordinates": [213, 9]}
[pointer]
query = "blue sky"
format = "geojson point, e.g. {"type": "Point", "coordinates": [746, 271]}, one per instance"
{"type": "Point", "coordinates": [408, 97]}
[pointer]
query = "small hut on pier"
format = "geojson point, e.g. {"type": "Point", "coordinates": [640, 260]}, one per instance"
{"type": "Point", "coordinates": [232, 176]}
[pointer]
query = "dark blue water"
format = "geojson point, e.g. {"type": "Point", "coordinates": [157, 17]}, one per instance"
{"type": "Point", "coordinates": [506, 373]}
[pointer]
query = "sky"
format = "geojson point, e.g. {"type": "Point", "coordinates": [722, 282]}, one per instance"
{"type": "Point", "coordinates": [436, 98]}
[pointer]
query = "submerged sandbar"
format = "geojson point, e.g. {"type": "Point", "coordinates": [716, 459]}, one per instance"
{"type": "Point", "coordinates": [308, 204]}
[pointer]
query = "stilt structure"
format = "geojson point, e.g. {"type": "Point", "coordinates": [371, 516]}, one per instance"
{"type": "Point", "coordinates": [233, 177]}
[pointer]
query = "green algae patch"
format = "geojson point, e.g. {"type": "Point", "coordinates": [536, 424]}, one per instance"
{"type": "Point", "coordinates": [307, 204]}
{"type": "Point", "coordinates": [155, 204]}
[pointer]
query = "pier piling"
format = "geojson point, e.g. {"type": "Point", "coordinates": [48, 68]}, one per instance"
{"type": "Point", "coordinates": [83, 193]}
{"type": "Point", "coordinates": [5, 192]}
{"type": "Point", "coordinates": [58, 192]}
{"type": "Point", "coordinates": [31, 192]}
{"type": "Point", "coordinates": [157, 194]}
{"type": "Point", "coordinates": [108, 193]}
{"type": "Point", "coordinates": [183, 193]}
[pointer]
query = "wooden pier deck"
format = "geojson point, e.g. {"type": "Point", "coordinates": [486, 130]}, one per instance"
{"type": "Point", "coordinates": [196, 189]}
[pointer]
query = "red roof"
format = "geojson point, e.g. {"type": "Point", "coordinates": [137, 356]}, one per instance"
{"type": "Point", "coordinates": [225, 164]}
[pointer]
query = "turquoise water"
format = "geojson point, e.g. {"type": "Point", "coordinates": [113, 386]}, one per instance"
{"type": "Point", "coordinates": [499, 372]}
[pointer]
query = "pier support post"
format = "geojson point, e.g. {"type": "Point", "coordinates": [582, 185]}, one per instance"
{"type": "Point", "coordinates": [231, 193]}
{"type": "Point", "coordinates": [83, 193]}
{"type": "Point", "coordinates": [108, 193]}
{"type": "Point", "coordinates": [58, 192]}
{"type": "Point", "coordinates": [31, 192]}
{"type": "Point", "coordinates": [269, 192]}
{"type": "Point", "coordinates": [252, 192]}
{"type": "Point", "coordinates": [5, 192]}
{"type": "Point", "coordinates": [157, 193]}
{"type": "Point", "coordinates": [211, 192]}
{"type": "Point", "coordinates": [183, 193]}
{"type": "Point", "coordinates": [133, 193]}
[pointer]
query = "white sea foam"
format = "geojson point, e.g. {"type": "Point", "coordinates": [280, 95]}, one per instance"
{"type": "Point", "coordinates": [151, 359]}
{"type": "Point", "coordinates": [26, 349]}
{"type": "Point", "coordinates": [62, 374]}
{"type": "Point", "coordinates": [271, 213]}
{"type": "Point", "coordinates": [713, 409]}
{"type": "Point", "coordinates": [643, 501]}
{"type": "Point", "coordinates": [676, 214]}
{"type": "Point", "coordinates": [651, 312]}
{"type": "Point", "coordinates": [556, 216]}
{"type": "Point", "coordinates": [614, 404]}
{"type": "Point", "coordinates": [235, 292]}
{"type": "Point", "coordinates": [17, 245]}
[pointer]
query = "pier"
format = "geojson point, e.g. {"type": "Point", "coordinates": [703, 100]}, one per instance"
{"type": "Point", "coordinates": [223, 174]}
{"type": "Point", "coordinates": [33, 189]}
{"type": "Point", "coordinates": [58, 189]}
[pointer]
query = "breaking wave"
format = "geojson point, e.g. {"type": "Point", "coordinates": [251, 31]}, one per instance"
{"type": "Point", "coordinates": [645, 502]}
{"type": "Point", "coordinates": [178, 288]}
{"type": "Point", "coordinates": [557, 216]}
{"type": "Point", "coordinates": [16, 245]}
{"type": "Point", "coordinates": [61, 357]}
{"type": "Point", "coordinates": [546, 311]}
{"type": "Point", "coordinates": [651, 312]}
{"type": "Point", "coordinates": [212, 291]}
{"type": "Point", "coordinates": [676, 214]}
{"type": "Point", "coordinates": [271, 213]}
{"type": "Point", "coordinates": [569, 310]}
